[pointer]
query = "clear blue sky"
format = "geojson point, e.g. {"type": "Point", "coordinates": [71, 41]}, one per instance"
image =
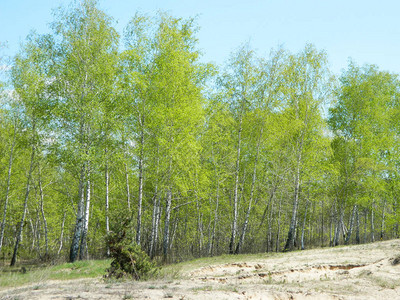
{"type": "Point", "coordinates": [367, 31]}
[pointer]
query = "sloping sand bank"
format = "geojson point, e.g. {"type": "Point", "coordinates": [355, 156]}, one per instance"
{"type": "Point", "coordinates": [354, 272]}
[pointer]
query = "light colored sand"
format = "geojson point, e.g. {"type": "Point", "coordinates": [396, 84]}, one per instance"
{"type": "Point", "coordinates": [356, 272]}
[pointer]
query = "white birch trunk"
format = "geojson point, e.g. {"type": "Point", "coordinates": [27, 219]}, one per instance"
{"type": "Point", "coordinates": [348, 236]}
{"type": "Point", "coordinates": [107, 179]}
{"type": "Point", "coordinates": [211, 245]}
{"type": "Point", "coordinates": [167, 224]}
{"type": "Point", "coordinates": [79, 219]}
{"type": "Point", "coordinates": [84, 253]}
{"type": "Point", "coordinates": [253, 183]}
{"type": "Point", "coordinates": [235, 196]}
{"type": "Point", "coordinates": [46, 238]}
{"type": "Point", "coordinates": [153, 225]}
{"type": "Point", "coordinates": [304, 226]}
{"type": "Point", "coordinates": [61, 235]}
{"type": "Point", "coordinates": [140, 193]}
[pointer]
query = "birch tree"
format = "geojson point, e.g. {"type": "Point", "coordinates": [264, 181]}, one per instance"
{"type": "Point", "coordinates": [31, 86]}
{"type": "Point", "coordinates": [239, 84]}
{"type": "Point", "coordinates": [86, 48]}
{"type": "Point", "coordinates": [178, 111]}
{"type": "Point", "coordinates": [364, 140]}
{"type": "Point", "coordinates": [307, 87]}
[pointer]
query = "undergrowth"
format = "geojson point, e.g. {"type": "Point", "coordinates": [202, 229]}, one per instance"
{"type": "Point", "coordinates": [17, 276]}
{"type": "Point", "coordinates": [128, 259]}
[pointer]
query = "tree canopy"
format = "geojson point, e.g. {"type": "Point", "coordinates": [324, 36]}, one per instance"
{"type": "Point", "coordinates": [100, 128]}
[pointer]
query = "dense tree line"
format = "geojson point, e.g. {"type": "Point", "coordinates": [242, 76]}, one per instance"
{"type": "Point", "coordinates": [265, 154]}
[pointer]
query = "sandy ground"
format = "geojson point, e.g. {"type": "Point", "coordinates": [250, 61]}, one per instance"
{"type": "Point", "coordinates": [356, 272]}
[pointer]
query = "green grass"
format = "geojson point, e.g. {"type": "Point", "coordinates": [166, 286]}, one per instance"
{"type": "Point", "coordinates": [11, 277]}
{"type": "Point", "coordinates": [385, 283]}
{"type": "Point", "coordinates": [37, 275]}
{"type": "Point", "coordinates": [203, 288]}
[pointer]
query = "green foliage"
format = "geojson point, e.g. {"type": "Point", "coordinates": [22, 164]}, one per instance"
{"type": "Point", "coordinates": [186, 149]}
{"type": "Point", "coordinates": [128, 259]}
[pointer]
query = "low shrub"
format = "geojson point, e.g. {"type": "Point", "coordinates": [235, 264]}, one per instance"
{"type": "Point", "coordinates": [128, 259]}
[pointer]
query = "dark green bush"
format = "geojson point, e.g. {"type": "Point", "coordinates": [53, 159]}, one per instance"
{"type": "Point", "coordinates": [129, 260]}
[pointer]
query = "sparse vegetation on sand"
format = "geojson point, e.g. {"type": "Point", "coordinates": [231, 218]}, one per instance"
{"type": "Point", "coordinates": [350, 272]}
{"type": "Point", "coordinates": [36, 274]}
